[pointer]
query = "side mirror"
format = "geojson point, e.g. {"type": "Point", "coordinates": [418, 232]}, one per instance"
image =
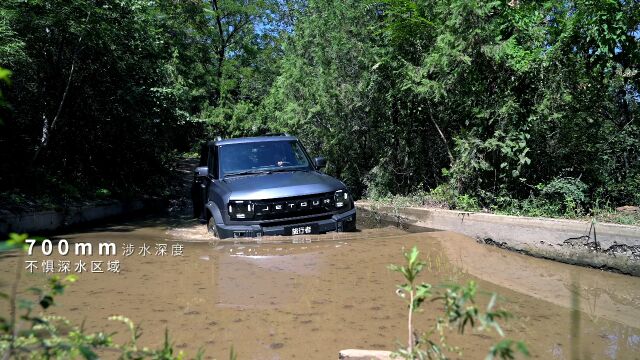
{"type": "Point", "coordinates": [202, 171]}
{"type": "Point", "coordinates": [320, 162]}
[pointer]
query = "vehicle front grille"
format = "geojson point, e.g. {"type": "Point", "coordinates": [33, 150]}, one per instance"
{"type": "Point", "coordinates": [293, 207]}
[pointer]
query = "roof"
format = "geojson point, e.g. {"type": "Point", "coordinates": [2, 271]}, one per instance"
{"type": "Point", "coordinates": [252, 139]}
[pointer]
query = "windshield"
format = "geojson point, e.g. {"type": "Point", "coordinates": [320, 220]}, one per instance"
{"type": "Point", "coordinates": [263, 156]}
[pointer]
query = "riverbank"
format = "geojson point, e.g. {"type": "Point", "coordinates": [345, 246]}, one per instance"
{"type": "Point", "coordinates": [604, 246]}
{"type": "Point", "coordinates": [50, 221]}
{"type": "Point", "coordinates": [35, 216]}
{"type": "Point", "coordinates": [535, 208]}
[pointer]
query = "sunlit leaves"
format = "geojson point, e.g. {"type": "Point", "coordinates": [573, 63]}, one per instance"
{"type": "Point", "coordinates": [523, 92]}
{"type": "Point", "coordinates": [15, 241]}
{"type": "Point", "coordinates": [507, 349]}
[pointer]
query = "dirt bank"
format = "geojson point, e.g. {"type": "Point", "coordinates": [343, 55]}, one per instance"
{"type": "Point", "coordinates": [65, 216]}
{"type": "Point", "coordinates": [604, 246]}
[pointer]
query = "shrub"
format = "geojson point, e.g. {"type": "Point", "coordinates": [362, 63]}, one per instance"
{"type": "Point", "coordinates": [567, 193]}
{"type": "Point", "coordinates": [460, 311]}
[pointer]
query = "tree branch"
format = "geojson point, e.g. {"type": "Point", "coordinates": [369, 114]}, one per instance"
{"type": "Point", "coordinates": [444, 139]}
{"type": "Point", "coordinates": [46, 134]}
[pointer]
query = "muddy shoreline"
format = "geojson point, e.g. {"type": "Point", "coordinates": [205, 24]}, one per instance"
{"type": "Point", "coordinates": [610, 247]}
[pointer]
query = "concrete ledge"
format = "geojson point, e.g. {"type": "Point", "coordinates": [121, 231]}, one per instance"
{"type": "Point", "coordinates": [51, 220]}
{"type": "Point", "coordinates": [357, 354]}
{"type": "Point", "coordinates": [600, 245]}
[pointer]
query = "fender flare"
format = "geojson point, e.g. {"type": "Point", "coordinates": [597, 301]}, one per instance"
{"type": "Point", "coordinates": [213, 209]}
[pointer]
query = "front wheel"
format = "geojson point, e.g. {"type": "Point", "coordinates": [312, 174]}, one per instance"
{"type": "Point", "coordinates": [211, 227]}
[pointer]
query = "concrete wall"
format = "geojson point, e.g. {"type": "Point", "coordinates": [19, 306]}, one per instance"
{"type": "Point", "coordinates": [600, 245]}
{"type": "Point", "coordinates": [52, 220]}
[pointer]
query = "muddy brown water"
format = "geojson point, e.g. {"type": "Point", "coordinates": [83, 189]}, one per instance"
{"type": "Point", "coordinates": [309, 297]}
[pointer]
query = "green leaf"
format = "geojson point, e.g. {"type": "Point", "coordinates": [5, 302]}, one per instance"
{"type": "Point", "coordinates": [87, 353]}
{"type": "Point", "coordinates": [71, 278]}
{"type": "Point", "coordinates": [522, 347]}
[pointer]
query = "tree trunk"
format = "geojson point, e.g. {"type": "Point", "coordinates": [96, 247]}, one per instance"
{"type": "Point", "coordinates": [444, 139]}
{"type": "Point", "coordinates": [221, 52]}
{"type": "Point", "coordinates": [46, 128]}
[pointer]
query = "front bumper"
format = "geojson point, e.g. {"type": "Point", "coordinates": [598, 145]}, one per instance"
{"type": "Point", "coordinates": [345, 221]}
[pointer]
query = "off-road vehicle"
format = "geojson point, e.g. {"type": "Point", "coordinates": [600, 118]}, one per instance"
{"type": "Point", "coordinates": [268, 185]}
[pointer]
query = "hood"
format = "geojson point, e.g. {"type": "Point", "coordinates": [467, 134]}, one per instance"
{"type": "Point", "coordinates": [280, 185]}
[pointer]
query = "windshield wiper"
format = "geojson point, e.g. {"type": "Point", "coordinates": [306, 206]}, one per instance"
{"type": "Point", "coordinates": [248, 172]}
{"type": "Point", "coordinates": [260, 172]}
{"type": "Point", "coordinates": [288, 170]}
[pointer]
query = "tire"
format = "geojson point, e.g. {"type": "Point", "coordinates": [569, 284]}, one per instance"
{"type": "Point", "coordinates": [211, 227]}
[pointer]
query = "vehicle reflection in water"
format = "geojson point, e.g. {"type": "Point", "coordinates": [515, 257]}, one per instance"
{"type": "Point", "coordinates": [309, 297]}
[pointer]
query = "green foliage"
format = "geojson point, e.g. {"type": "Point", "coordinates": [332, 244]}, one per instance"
{"type": "Point", "coordinates": [103, 193]}
{"type": "Point", "coordinates": [15, 241]}
{"type": "Point", "coordinates": [444, 193]}
{"type": "Point", "coordinates": [467, 203]}
{"type": "Point", "coordinates": [4, 78]}
{"type": "Point", "coordinates": [106, 94]}
{"type": "Point", "coordinates": [101, 93]}
{"type": "Point", "coordinates": [569, 192]}
{"type": "Point", "coordinates": [460, 313]}
{"type": "Point", "coordinates": [500, 94]}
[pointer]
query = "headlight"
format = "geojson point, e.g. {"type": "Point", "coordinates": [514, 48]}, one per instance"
{"type": "Point", "coordinates": [241, 209]}
{"type": "Point", "coordinates": [341, 198]}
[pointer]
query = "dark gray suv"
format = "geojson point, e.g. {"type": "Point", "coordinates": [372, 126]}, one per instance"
{"type": "Point", "coordinates": [268, 185]}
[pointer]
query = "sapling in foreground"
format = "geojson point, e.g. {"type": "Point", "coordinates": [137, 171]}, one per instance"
{"type": "Point", "coordinates": [460, 311]}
